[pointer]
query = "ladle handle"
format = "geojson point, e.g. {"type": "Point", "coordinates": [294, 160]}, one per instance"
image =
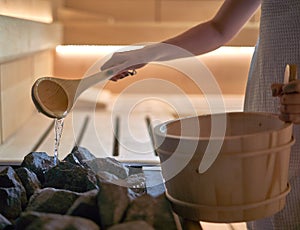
{"type": "Point", "coordinates": [93, 79]}
{"type": "Point", "coordinates": [292, 73]}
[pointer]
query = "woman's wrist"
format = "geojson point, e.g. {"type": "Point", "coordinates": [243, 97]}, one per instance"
{"type": "Point", "coordinates": [163, 52]}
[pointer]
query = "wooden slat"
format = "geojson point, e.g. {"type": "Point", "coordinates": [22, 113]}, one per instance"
{"type": "Point", "coordinates": [135, 142]}
{"type": "Point", "coordinates": [24, 141]}
{"type": "Point", "coordinates": [72, 127]}
{"type": "Point", "coordinates": [98, 138]}
{"type": "Point", "coordinates": [193, 105]}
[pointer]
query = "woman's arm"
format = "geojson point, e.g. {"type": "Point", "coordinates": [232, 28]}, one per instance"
{"type": "Point", "coordinates": [200, 39]}
{"type": "Point", "coordinates": [214, 33]}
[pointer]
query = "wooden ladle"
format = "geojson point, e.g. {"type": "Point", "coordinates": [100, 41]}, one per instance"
{"type": "Point", "coordinates": [55, 97]}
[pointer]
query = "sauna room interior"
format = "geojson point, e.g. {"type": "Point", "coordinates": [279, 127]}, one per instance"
{"type": "Point", "coordinates": [71, 38]}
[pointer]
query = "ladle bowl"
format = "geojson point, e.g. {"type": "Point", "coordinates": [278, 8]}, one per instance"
{"type": "Point", "coordinates": [51, 98]}
{"type": "Point", "coordinates": [55, 97]}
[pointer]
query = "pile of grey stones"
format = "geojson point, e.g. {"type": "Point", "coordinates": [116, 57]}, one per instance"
{"type": "Point", "coordinates": [80, 192]}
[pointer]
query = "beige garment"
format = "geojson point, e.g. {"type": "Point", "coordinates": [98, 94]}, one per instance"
{"type": "Point", "coordinates": [278, 45]}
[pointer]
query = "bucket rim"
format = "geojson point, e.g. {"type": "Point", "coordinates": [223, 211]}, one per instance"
{"type": "Point", "coordinates": [158, 128]}
{"type": "Point", "coordinates": [272, 150]}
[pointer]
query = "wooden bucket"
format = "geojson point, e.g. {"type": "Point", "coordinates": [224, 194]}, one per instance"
{"type": "Point", "coordinates": [248, 180]}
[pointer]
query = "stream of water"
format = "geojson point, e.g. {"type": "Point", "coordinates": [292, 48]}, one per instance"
{"type": "Point", "coordinates": [58, 128]}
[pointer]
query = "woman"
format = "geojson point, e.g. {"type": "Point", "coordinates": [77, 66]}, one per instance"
{"type": "Point", "coordinates": [278, 45]}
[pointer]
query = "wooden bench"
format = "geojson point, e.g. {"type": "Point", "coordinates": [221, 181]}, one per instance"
{"type": "Point", "coordinates": [121, 129]}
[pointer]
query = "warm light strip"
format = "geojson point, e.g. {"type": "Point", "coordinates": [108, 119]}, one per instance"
{"type": "Point", "coordinates": [97, 49]}
{"type": "Point", "coordinates": [92, 49]}
{"type": "Point", "coordinates": [40, 18]}
{"type": "Point", "coordinates": [233, 50]}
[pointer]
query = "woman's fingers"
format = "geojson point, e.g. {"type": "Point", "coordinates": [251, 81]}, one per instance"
{"type": "Point", "coordinates": [293, 109]}
{"type": "Point", "coordinates": [291, 87]}
{"type": "Point", "coordinates": [290, 107]}
{"type": "Point", "coordinates": [276, 89]}
{"type": "Point", "coordinates": [289, 99]}
{"type": "Point", "coordinates": [123, 74]}
{"type": "Point", "coordinates": [288, 117]}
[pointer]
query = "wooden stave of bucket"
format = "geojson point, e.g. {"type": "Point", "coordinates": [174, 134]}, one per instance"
{"type": "Point", "coordinates": [229, 214]}
{"type": "Point", "coordinates": [276, 161]}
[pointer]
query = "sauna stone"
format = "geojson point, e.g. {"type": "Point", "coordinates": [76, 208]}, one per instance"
{"type": "Point", "coordinates": [10, 202]}
{"type": "Point", "coordinates": [39, 163]}
{"type": "Point", "coordinates": [107, 177]}
{"type": "Point", "coordinates": [113, 201]}
{"type": "Point", "coordinates": [155, 211]}
{"type": "Point", "coordinates": [52, 200]}
{"type": "Point", "coordinates": [86, 206]}
{"type": "Point", "coordinates": [4, 223]}
{"type": "Point", "coordinates": [71, 177]}
{"type": "Point", "coordinates": [164, 218]}
{"type": "Point", "coordinates": [136, 183]}
{"type": "Point", "coordinates": [104, 200]}
{"type": "Point", "coordinates": [29, 180]}
{"type": "Point", "coordinates": [110, 165]}
{"type": "Point", "coordinates": [79, 155]}
{"type": "Point", "coordinates": [12, 193]}
{"type": "Point", "coordinates": [35, 220]}
{"type": "Point", "coordinates": [142, 208]}
{"type": "Point", "coordinates": [132, 225]}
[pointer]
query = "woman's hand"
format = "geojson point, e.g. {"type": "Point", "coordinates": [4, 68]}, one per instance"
{"type": "Point", "coordinates": [289, 95]}
{"type": "Point", "coordinates": [124, 64]}
{"type": "Point", "coordinates": [121, 62]}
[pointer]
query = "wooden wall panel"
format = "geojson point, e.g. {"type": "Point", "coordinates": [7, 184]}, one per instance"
{"type": "Point", "coordinates": [120, 10]}
{"type": "Point", "coordinates": [36, 10]}
{"type": "Point", "coordinates": [188, 10]}
{"type": "Point", "coordinates": [27, 40]}
{"type": "Point", "coordinates": [136, 21]}
{"type": "Point", "coordinates": [43, 64]}
{"type": "Point", "coordinates": [1, 138]}
{"type": "Point", "coordinates": [119, 33]}
{"type": "Point", "coordinates": [133, 33]}
{"type": "Point", "coordinates": [229, 66]}
{"type": "Point", "coordinates": [16, 105]}
{"type": "Point", "coordinates": [66, 14]}
{"type": "Point", "coordinates": [20, 37]}
{"type": "Point", "coordinates": [16, 80]}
